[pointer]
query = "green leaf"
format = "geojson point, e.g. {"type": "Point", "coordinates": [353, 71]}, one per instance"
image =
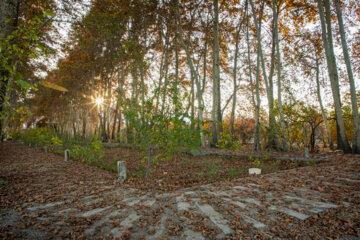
{"type": "Point", "coordinates": [49, 12]}
{"type": "Point", "coordinates": [32, 55]}
{"type": "Point", "coordinates": [23, 84]}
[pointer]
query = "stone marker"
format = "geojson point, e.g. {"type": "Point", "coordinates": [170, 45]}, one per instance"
{"type": "Point", "coordinates": [254, 171]}
{"type": "Point", "coordinates": [46, 149]}
{"type": "Point", "coordinates": [121, 166]}
{"type": "Point", "coordinates": [306, 152]}
{"type": "Point", "coordinates": [67, 155]}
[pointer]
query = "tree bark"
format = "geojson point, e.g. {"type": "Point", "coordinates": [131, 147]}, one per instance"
{"type": "Point", "coordinates": [235, 88]}
{"type": "Point", "coordinates": [216, 109]}
{"type": "Point", "coordinates": [331, 144]}
{"type": "Point", "coordinates": [196, 77]}
{"type": "Point", "coordinates": [276, 10]}
{"type": "Point", "coordinates": [9, 13]}
{"type": "Point", "coordinates": [256, 103]}
{"type": "Point", "coordinates": [356, 130]}
{"type": "Point", "coordinates": [176, 83]}
{"type": "Point", "coordinates": [273, 138]}
{"type": "Point", "coordinates": [332, 69]}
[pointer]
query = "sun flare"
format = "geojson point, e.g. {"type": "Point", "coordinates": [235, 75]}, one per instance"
{"type": "Point", "coordinates": [99, 101]}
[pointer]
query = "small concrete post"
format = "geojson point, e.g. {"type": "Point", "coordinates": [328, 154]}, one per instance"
{"type": "Point", "coordinates": [255, 171]}
{"type": "Point", "coordinates": [67, 155]}
{"type": "Point", "coordinates": [306, 152]}
{"type": "Point", "coordinates": [46, 149]}
{"type": "Point", "coordinates": [121, 166]}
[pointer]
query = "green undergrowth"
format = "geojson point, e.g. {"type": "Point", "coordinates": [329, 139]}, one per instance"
{"type": "Point", "coordinates": [86, 150]}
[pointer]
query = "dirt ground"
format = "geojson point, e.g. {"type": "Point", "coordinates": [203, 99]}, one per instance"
{"type": "Point", "coordinates": [184, 170]}
{"type": "Point", "coordinates": [43, 197]}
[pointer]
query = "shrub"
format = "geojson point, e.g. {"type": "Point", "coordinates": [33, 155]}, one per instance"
{"type": "Point", "coordinates": [16, 135]}
{"type": "Point", "coordinates": [256, 162]}
{"type": "Point", "coordinates": [38, 136]}
{"type": "Point", "coordinates": [88, 154]}
{"type": "Point", "coordinates": [226, 141]}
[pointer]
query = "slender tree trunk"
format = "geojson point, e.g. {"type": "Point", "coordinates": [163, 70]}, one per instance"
{"type": "Point", "coordinates": [273, 138]}
{"type": "Point", "coordinates": [114, 122]}
{"type": "Point", "coordinates": [157, 93]}
{"type": "Point", "coordinates": [84, 125]}
{"type": "Point", "coordinates": [108, 107]}
{"type": "Point", "coordinates": [356, 130]}
{"type": "Point", "coordinates": [232, 116]}
{"type": "Point", "coordinates": [216, 114]}
{"type": "Point", "coordinates": [332, 69]}
{"type": "Point", "coordinates": [196, 77]}
{"type": "Point", "coordinates": [258, 101]}
{"type": "Point", "coordinates": [142, 85]}
{"type": "Point", "coordinates": [279, 65]}
{"type": "Point", "coordinates": [176, 83]}
{"type": "Point", "coordinates": [192, 99]}
{"type": "Point", "coordinates": [166, 78]}
{"type": "Point", "coordinates": [331, 145]}
{"type": "Point", "coordinates": [201, 100]}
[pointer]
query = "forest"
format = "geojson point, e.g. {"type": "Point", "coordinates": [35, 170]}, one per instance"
{"type": "Point", "coordinates": [179, 119]}
{"type": "Point", "coordinates": [277, 74]}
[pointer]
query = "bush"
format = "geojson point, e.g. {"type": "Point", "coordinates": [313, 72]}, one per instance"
{"type": "Point", "coordinates": [88, 154]}
{"type": "Point", "coordinates": [38, 136]}
{"type": "Point", "coordinates": [226, 141]}
{"type": "Point", "coordinates": [16, 135]}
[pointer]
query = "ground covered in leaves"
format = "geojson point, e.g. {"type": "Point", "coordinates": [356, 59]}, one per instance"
{"type": "Point", "coordinates": [43, 197]}
{"type": "Point", "coordinates": [185, 170]}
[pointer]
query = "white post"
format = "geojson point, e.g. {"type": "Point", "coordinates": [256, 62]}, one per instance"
{"type": "Point", "coordinates": [121, 166]}
{"type": "Point", "coordinates": [306, 152]}
{"type": "Point", "coordinates": [46, 149]}
{"type": "Point", "coordinates": [67, 155]}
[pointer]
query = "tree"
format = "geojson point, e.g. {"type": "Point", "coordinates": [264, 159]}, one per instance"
{"type": "Point", "coordinates": [356, 136]}
{"type": "Point", "coordinates": [276, 11]}
{"type": "Point", "coordinates": [256, 103]}
{"type": "Point", "coordinates": [332, 69]}
{"type": "Point", "coordinates": [23, 38]}
{"type": "Point", "coordinates": [216, 108]}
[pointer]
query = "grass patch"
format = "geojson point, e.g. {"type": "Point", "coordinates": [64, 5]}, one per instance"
{"type": "Point", "coordinates": [140, 172]}
{"type": "Point", "coordinates": [236, 172]}
{"type": "Point", "coordinates": [112, 167]}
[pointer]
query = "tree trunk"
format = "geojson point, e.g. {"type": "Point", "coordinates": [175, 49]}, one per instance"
{"type": "Point", "coordinates": [196, 77]}
{"type": "Point", "coordinates": [232, 117]}
{"type": "Point", "coordinates": [84, 125]}
{"type": "Point", "coordinates": [176, 83]}
{"type": "Point", "coordinates": [331, 145]}
{"type": "Point", "coordinates": [216, 114]}
{"type": "Point", "coordinates": [257, 102]}
{"type": "Point", "coordinates": [276, 10]}
{"type": "Point", "coordinates": [157, 93]}
{"type": "Point", "coordinates": [356, 132]}
{"type": "Point", "coordinates": [273, 138]}
{"type": "Point", "coordinates": [166, 78]}
{"type": "Point", "coordinates": [312, 139]}
{"type": "Point", "coordinates": [8, 21]}
{"type": "Point", "coordinates": [114, 122]}
{"type": "Point", "coordinates": [332, 69]}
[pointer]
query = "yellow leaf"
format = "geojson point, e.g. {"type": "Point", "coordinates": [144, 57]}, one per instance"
{"type": "Point", "coordinates": [53, 86]}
